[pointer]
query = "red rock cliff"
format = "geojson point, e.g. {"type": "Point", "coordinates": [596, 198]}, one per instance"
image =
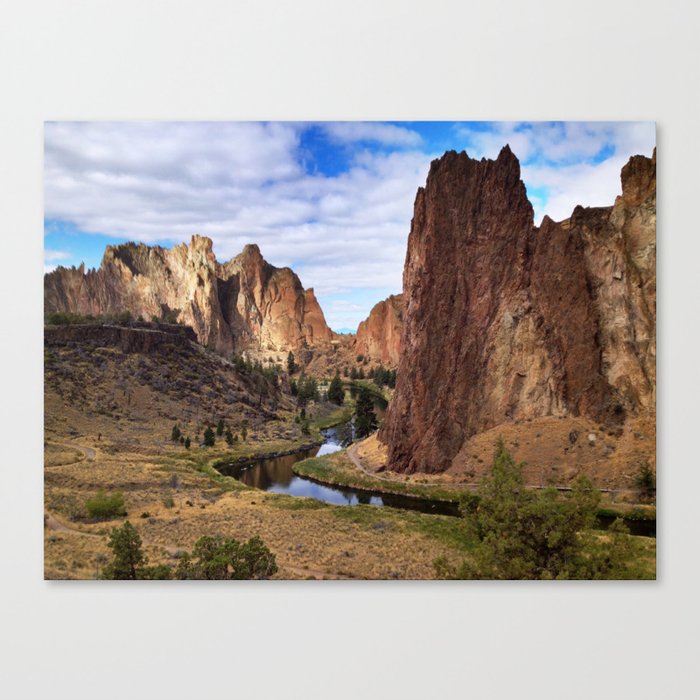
{"type": "Point", "coordinates": [244, 303]}
{"type": "Point", "coordinates": [504, 321]}
{"type": "Point", "coordinates": [379, 337]}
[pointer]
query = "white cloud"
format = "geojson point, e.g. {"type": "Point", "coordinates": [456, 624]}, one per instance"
{"type": "Point", "coordinates": [388, 134]}
{"type": "Point", "coordinates": [240, 183]}
{"type": "Point", "coordinates": [52, 255]}
{"type": "Point", "coordinates": [246, 182]}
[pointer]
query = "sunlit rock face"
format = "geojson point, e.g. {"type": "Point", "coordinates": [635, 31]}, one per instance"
{"type": "Point", "coordinates": [243, 304]}
{"type": "Point", "coordinates": [504, 321]}
{"type": "Point", "coordinates": [379, 336]}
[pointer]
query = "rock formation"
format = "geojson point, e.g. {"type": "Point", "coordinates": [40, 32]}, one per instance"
{"type": "Point", "coordinates": [243, 304]}
{"type": "Point", "coordinates": [379, 337]}
{"type": "Point", "coordinates": [506, 322]}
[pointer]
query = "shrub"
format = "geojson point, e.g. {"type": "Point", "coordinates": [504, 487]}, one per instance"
{"type": "Point", "coordinates": [168, 502]}
{"type": "Point", "coordinates": [217, 558]}
{"type": "Point", "coordinates": [104, 506]}
{"type": "Point", "coordinates": [220, 427]}
{"type": "Point", "coordinates": [188, 442]}
{"type": "Point", "coordinates": [175, 434]}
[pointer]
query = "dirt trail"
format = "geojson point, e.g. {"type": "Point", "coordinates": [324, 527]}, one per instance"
{"type": "Point", "coordinates": [88, 453]}
{"type": "Point", "coordinates": [351, 452]}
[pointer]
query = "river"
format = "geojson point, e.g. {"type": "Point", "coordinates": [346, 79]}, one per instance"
{"type": "Point", "coordinates": [275, 474]}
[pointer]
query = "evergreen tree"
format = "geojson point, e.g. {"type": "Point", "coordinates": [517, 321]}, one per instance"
{"type": "Point", "coordinates": [125, 544]}
{"type": "Point", "coordinates": [209, 438]}
{"type": "Point", "coordinates": [229, 436]}
{"type": "Point", "coordinates": [336, 393]}
{"type": "Point", "coordinates": [526, 534]}
{"type": "Point", "coordinates": [175, 434]}
{"type": "Point", "coordinates": [365, 417]}
{"type": "Point", "coordinates": [291, 365]}
{"type": "Point", "coordinates": [220, 427]}
{"type": "Point", "coordinates": [188, 442]}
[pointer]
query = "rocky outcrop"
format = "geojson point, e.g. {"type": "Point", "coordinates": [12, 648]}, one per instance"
{"type": "Point", "coordinates": [243, 304]}
{"type": "Point", "coordinates": [523, 322]}
{"type": "Point", "coordinates": [379, 337]}
{"type": "Point", "coordinates": [129, 339]}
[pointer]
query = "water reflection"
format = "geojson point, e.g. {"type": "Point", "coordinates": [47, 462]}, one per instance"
{"type": "Point", "coordinates": [275, 474]}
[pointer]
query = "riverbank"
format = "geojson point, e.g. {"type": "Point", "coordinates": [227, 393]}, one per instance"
{"type": "Point", "coordinates": [338, 470]}
{"type": "Point", "coordinates": [342, 469]}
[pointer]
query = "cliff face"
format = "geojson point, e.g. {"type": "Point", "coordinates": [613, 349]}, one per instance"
{"type": "Point", "coordinates": [244, 303]}
{"type": "Point", "coordinates": [379, 337]}
{"type": "Point", "coordinates": [505, 322]}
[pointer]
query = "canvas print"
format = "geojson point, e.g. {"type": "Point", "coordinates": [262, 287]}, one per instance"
{"type": "Point", "coordinates": [349, 350]}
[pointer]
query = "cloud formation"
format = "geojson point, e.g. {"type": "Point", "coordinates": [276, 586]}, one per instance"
{"type": "Point", "coordinates": [336, 209]}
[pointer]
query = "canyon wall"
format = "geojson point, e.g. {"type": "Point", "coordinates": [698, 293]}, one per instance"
{"type": "Point", "coordinates": [379, 337]}
{"type": "Point", "coordinates": [243, 304]}
{"type": "Point", "coordinates": [506, 322]}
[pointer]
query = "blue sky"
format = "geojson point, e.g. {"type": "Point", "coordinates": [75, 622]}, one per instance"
{"type": "Point", "coordinates": [332, 200]}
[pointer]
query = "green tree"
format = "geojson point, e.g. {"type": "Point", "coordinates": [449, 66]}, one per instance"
{"type": "Point", "coordinates": [220, 427]}
{"type": "Point", "coordinates": [188, 442]}
{"type": "Point", "coordinates": [229, 436]}
{"type": "Point", "coordinates": [209, 438]}
{"type": "Point", "coordinates": [525, 534]}
{"type": "Point", "coordinates": [291, 365]}
{"type": "Point", "coordinates": [216, 558]}
{"type": "Point", "coordinates": [645, 481]}
{"type": "Point", "coordinates": [129, 562]}
{"type": "Point", "coordinates": [365, 417]}
{"type": "Point", "coordinates": [336, 393]}
{"type": "Point", "coordinates": [244, 430]}
{"type": "Point", "coordinates": [175, 434]}
{"type": "Point", "coordinates": [125, 544]}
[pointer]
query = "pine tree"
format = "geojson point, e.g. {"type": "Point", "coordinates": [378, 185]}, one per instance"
{"type": "Point", "coordinates": [209, 439]}
{"type": "Point", "coordinates": [365, 417]}
{"type": "Point", "coordinates": [336, 393]}
{"type": "Point", "coordinates": [175, 435]}
{"type": "Point", "coordinates": [291, 366]}
{"type": "Point", "coordinates": [220, 427]}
